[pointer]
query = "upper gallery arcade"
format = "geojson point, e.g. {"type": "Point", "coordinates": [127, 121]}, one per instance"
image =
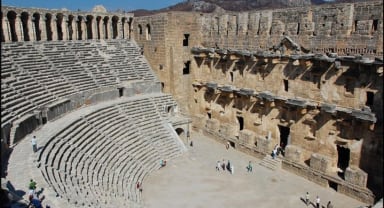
{"type": "Point", "coordinates": [33, 24]}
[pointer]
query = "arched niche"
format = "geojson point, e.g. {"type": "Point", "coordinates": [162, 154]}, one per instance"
{"type": "Point", "coordinates": [36, 22]}
{"type": "Point", "coordinates": [115, 33]}
{"type": "Point", "coordinates": [89, 26]}
{"type": "Point", "coordinates": [24, 16]}
{"type": "Point", "coordinates": [11, 15]}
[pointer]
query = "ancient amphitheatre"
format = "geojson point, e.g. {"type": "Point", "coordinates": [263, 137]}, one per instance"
{"type": "Point", "coordinates": [109, 95]}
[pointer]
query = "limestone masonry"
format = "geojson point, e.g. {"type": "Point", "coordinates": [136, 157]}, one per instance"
{"type": "Point", "coordinates": [309, 79]}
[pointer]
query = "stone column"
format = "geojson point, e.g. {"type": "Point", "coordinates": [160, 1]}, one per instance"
{"type": "Point", "coordinates": [125, 31]}
{"type": "Point", "coordinates": [54, 27]}
{"type": "Point", "coordinates": [84, 29]}
{"type": "Point", "coordinates": [31, 29]}
{"type": "Point", "coordinates": [94, 28]}
{"type": "Point", "coordinates": [64, 27]}
{"type": "Point", "coordinates": [77, 21]}
{"type": "Point", "coordinates": [119, 29]}
{"type": "Point", "coordinates": [43, 28]}
{"type": "Point", "coordinates": [6, 29]}
{"type": "Point", "coordinates": [102, 29]}
{"type": "Point", "coordinates": [109, 30]}
{"type": "Point", "coordinates": [74, 29]}
{"type": "Point", "coordinates": [19, 28]}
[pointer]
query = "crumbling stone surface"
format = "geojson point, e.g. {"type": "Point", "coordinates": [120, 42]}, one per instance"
{"type": "Point", "coordinates": [320, 162]}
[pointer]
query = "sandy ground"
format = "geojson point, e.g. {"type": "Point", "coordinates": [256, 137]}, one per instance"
{"type": "Point", "coordinates": [191, 181]}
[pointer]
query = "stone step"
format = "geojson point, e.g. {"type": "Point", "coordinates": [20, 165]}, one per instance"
{"type": "Point", "coordinates": [270, 163]}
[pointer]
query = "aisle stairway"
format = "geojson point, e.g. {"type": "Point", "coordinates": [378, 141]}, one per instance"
{"type": "Point", "coordinates": [269, 162]}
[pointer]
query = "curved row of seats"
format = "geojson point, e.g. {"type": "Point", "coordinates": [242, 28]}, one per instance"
{"type": "Point", "coordinates": [97, 160]}
{"type": "Point", "coordinates": [36, 74]}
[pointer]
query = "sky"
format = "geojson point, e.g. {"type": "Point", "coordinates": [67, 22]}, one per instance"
{"type": "Point", "coordinates": [87, 5]}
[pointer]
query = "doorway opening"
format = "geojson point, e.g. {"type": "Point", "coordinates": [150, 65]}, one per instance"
{"type": "Point", "coordinates": [44, 120]}
{"type": "Point", "coordinates": [180, 132]}
{"type": "Point", "coordinates": [343, 154]}
{"type": "Point", "coordinates": [284, 134]}
{"type": "Point", "coordinates": [332, 185]}
{"type": "Point", "coordinates": [241, 122]}
{"type": "Point", "coordinates": [209, 115]}
{"type": "Point", "coordinates": [120, 92]}
{"type": "Point", "coordinates": [232, 144]}
{"type": "Point", "coordinates": [231, 74]}
{"type": "Point", "coordinates": [369, 101]}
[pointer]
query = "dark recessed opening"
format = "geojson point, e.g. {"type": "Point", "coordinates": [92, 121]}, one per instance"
{"type": "Point", "coordinates": [241, 122]}
{"type": "Point", "coordinates": [343, 159]}
{"type": "Point", "coordinates": [284, 134]}
{"type": "Point", "coordinates": [374, 25]}
{"type": "Point", "coordinates": [44, 120]}
{"type": "Point", "coordinates": [120, 92]}
{"type": "Point", "coordinates": [332, 185]}
{"type": "Point", "coordinates": [186, 67]}
{"type": "Point", "coordinates": [298, 29]}
{"type": "Point", "coordinates": [285, 85]}
{"type": "Point", "coordinates": [370, 97]}
{"type": "Point", "coordinates": [186, 40]}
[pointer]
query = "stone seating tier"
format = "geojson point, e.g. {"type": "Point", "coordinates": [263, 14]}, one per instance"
{"type": "Point", "coordinates": [133, 141]}
{"type": "Point", "coordinates": [79, 65]}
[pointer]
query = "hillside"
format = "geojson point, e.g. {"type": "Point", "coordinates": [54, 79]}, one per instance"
{"type": "Point", "coordinates": [208, 6]}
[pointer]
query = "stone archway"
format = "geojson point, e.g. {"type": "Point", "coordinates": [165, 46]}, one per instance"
{"type": "Point", "coordinates": [24, 22]}
{"type": "Point", "coordinates": [36, 23]}
{"type": "Point", "coordinates": [48, 26]}
{"type": "Point", "coordinates": [11, 15]}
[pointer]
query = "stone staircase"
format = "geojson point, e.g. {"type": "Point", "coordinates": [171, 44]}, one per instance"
{"type": "Point", "coordinates": [271, 163]}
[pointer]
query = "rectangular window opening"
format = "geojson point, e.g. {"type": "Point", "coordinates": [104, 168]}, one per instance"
{"type": "Point", "coordinates": [186, 40]}
{"type": "Point", "coordinates": [349, 86]}
{"type": "Point", "coordinates": [370, 97]}
{"type": "Point", "coordinates": [374, 25]}
{"type": "Point", "coordinates": [285, 85]}
{"type": "Point", "coordinates": [186, 67]}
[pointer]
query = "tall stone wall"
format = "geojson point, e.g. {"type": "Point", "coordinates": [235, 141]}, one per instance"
{"type": "Point", "coordinates": [345, 29]}
{"type": "Point", "coordinates": [316, 71]}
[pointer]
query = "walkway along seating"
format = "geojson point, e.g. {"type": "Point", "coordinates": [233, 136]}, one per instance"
{"type": "Point", "coordinates": [97, 159]}
{"type": "Point", "coordinates": [35, 75]}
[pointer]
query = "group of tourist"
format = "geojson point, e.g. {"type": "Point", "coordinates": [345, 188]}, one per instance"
{"type": "Point", "coordinates": [317, 201]}
{"type": "Point", "coordinates": [225, 166]}
{"type": "Point", "coordinates": [163, 163]}
{"type": "Point", "coordinates": [139, 186]}
{"type": "Point", "coordinates": [278, 149]}
{"type": "Point", "coordinates": [34, 200]}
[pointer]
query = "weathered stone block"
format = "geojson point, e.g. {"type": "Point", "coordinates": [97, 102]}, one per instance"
{"type": "Point", "coordinates": [227, 130]}
{"type": "Point", "coordinates": [198, 122]}
{"type": "Point", "coordinates": [247, 137]}
{"type": "Point", "coordinates": [262, 145]}
{"type": "Point", "coordinates": [293, 153]}
{"type": "Point", "coordinates": [213, 125]}
{"type": "Point", "coordinates": [320, 162]}
{"type": "Point", "coordinates": [356, 176]}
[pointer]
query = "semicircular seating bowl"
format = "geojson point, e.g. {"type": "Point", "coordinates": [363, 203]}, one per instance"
{"type": "Point", "coordinates": [36, 74]}
{"type": "Point", "coordinates": [98, 158]}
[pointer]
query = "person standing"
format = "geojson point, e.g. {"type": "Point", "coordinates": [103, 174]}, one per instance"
{"type": "Point", "coordinates": [317, 202]}
{"type": "Point", "coordinates": [249, 166]}
{"type": "Point", "coordinates": [218, 166]}
{"type": "Point", "coordinates": [34, 144]}
{"type": "Point", "coordinates": [307, 199]}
